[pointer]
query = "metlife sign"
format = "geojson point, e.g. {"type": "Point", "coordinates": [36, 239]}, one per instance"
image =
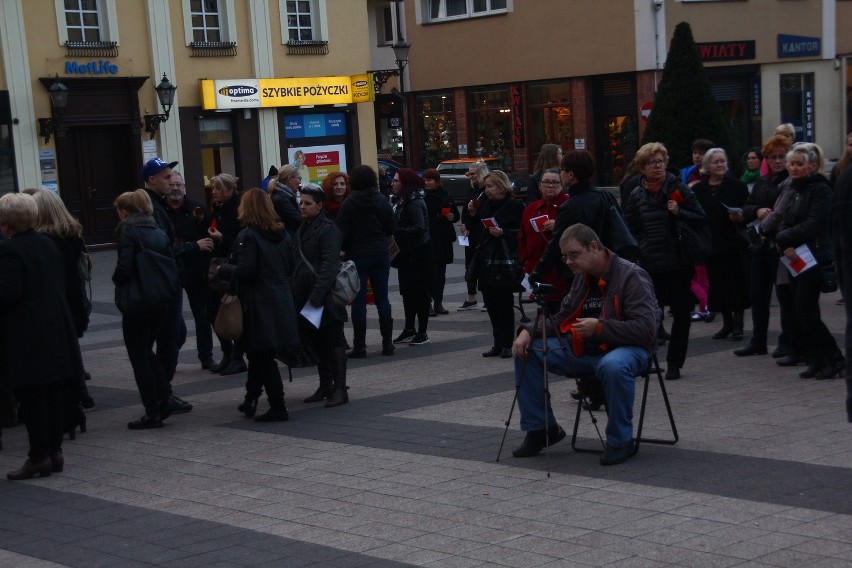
{"type": "Point", "coordinates": [244, 93]}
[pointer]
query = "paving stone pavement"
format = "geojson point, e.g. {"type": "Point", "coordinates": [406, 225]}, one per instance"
{"type": "Point", "coordinates": [406, 474]}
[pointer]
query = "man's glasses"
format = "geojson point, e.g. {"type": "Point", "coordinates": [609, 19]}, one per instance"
{"type": "Point", "coordinates": [657, 163]}
{"type": "Point", "coordinates": [550, 182]}
{"type": "Point", "coordinates": [572, 256]}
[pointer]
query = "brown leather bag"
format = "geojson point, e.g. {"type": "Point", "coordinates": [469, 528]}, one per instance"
{"type": "Point", "coordinates": [229, 318]}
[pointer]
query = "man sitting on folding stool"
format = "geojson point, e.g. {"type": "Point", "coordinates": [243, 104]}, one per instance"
{"type": "Point", "coordinates": [609, 321]}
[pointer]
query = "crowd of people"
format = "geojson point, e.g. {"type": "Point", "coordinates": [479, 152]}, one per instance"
{"type": "Point", "coordinates": [700, 235]}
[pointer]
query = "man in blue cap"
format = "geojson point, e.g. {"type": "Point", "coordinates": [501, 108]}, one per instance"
{"type": "Point", "coordinates": [157, 175]}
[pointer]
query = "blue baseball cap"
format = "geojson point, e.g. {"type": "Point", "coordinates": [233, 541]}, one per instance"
{"type": "Point", "coordinates": [154, 166]}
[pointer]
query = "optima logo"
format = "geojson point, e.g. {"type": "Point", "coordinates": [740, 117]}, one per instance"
{"type": "Point", "coordinates": [238, 91]}
{"type": "Point", "coordinates": [360, 83]}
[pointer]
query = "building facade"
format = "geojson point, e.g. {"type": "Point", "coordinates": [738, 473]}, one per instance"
{"type": "Point", "coordinates": [502, 77]}
{"type": "Point", "coordinates": [287, 81]}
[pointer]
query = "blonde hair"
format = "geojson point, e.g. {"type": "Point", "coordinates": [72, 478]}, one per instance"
{"type": "Point", "coordinates": [54, 218]}
{"type": "Point", "coordinates": [786, 128]}
{"type": "Point", "coordinates": [500, 179]}
{"type": "Point", "coordinates": [811, 153]}
{"type": "Point", "coordinates": [18, 211]}
{"type": "Point", "coordinates": [225, 181]}
{"type": "Point", "coordinates": [134, 202]}
{"type": "Point", "coordinates": [644, 154]}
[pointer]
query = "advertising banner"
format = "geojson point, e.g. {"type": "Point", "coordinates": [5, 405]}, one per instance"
{"type": "Point", "coordinates": [316, 162]}
{"type": "Point", "coordinates": [299, 91]}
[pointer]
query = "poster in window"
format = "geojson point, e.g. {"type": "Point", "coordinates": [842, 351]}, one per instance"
{"type": "Point", "coordinates": [316, 162]}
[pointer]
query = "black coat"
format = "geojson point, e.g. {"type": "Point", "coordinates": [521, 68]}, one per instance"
{"type": "Point", "coordinates": [225, 216]}
{"type": "Point", "coordinates": [189, 229]}
{"type": "Point", "coordinates": [807, 219]}
{"type": "Point", "coordinates": [75, 293]}
{"type": "Point", "coordinates": [38, 342]}
{"type": "Point", "coordinates": [731, 192]}
{"type": "Point", "coordinates": [180, 249]}
{"type": "Point", "coordinates": [654, 227]}
{"type": "Point", "coordinates": [366, 221]}
{"type": "Point", "coordinates": [473, 226]}
{"type": "Point", "coordinates": [319, 241]}
{"type": "Point", "coordinates": [133, 230]}
{"type": "Point", "coordinates": [764, 193]}
{"type": "Point", "coordinates": [508, 213]}
{"type": "Point", "coordinates": [412, 224]}
{"type": "Point", "coordinates": [286, 206]}
{"type": "Point", "coordinates": [441, 230]}
{"type": "Point", "coordinates": [262, 262]}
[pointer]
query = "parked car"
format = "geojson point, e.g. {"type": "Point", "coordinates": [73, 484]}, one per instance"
{"type": "Point", "coordinates": [454, 177]}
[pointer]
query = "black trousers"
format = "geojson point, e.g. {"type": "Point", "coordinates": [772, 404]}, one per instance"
{"type": "Point", "coordinates": [42, 408]}
{"type": "Point", "coordinates": [500, 302]}
{"type": "Point", "coordinates": [323, 342]}
{"type": "Point", "coordinates": [763, 268]}
{"type": "Point", "coordinates": [197, 295]}
{"type": "Point", "coordinates": [672, 289]}
{"type": "Point", "coordinates": [817, 341]}
{"type": "Point", "coordinates": [469, 252]}
{"type": "Point", "coordinates": [263, 374]}
{"type": "Point", "coordinates": [140, 331]}
{"type": "Point", "coordinates": [439, 282]}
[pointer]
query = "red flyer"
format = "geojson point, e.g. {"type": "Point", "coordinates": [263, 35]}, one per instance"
{"type": "Point", "coordinates": [490, 223]}
{"type": "Point", "coordinates": [538, 223]}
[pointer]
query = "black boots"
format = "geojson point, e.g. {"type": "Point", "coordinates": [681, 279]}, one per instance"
{"type": "Point", "coordinates": [277, 411]}
{"type": "Point", "coordinates": [326, 386]}
{"type": "Point", "coordinates": [359, 343]}
{"type": "Point", "coordinates": [249, 406]}
{"type": "Point", "coordinates": [737, 325]}
{"type": "Point", "coordinates": [727, 326]}
{"type": "Point", "coordinates": [338, 372]}
{"type": "Point", "coordinates": [386, 329]}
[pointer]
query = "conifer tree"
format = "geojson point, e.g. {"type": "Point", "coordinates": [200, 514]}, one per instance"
{"type": "Point", "coordinates": [685, 108]}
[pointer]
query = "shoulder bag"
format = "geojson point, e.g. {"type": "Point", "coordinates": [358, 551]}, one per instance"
{"type": "Point", "coordinates": [695, 245]}
{"type": "Point", "coordinates": [155, 281]}
{"type": "Point", "coordinates": [347, 283]}
{"type": "Point", "coordinates": [502, 269]}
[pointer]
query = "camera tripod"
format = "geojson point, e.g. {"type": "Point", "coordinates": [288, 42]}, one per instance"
{"type": "Point", "coordinates": [541, 291]}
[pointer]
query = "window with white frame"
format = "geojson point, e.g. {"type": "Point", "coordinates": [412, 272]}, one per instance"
{"type": "Point", "coordinates": [86, 21]}
{"type": "Point", "coordinates": [209, 22]}
{"type": "Point", "coordinates": [441, 10]}
{"type": "Point", "coordinates": [303, 21]}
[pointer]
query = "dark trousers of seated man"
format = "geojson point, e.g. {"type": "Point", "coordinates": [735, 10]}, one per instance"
{"type": "Point", "coordinates": [616, 369]}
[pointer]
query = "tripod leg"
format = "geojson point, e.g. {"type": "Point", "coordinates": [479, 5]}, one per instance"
{"type": "Point", "coordinates": [511, 410]}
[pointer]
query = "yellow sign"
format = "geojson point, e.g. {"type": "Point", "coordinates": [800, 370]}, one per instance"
{"type": "Point", "coordinates": [265, 93]}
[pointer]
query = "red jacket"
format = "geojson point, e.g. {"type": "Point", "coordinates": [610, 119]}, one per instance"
{"type": "Point", "coordinates": [531, 244]}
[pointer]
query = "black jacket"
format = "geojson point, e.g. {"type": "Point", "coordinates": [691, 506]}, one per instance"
{"type": "Point", "coordinates": [508, 213]}
{"type": "Point", "coordinates": [262, 262]}
{"type": "Point", "coordinates": [585, 205]}
{"type": "Point", "coordinates": [319, 241]}
{"type": "Point", "coordinates": [474, 227]}
{"type": "Point", "coordinates": [441, 231]}
{"type": "Point", "coordinates": [725, 233]}
{"type": "Point", "coordinates": [654, 227]}
{"type": "Point", "coordinates": [189, 229]}
{"type": "Point", "coordinates": [133, 230]}
{"type": "Point", "coordinates": [412, 224]}
{"type": "Point", "coordinates": [225, 216]}
{"type": "Point", "coordinates": [180, 250]}
{"type": "Point", "coordinates": [39, 342]}
{"type": "Point", "coordinates": [75, 294]}
{"type": "Point", "coordinates": [287, 206]}
{"type": "Point", "coordinates": [807, 219]}
{"type": "Point", "coordinates": [366, 220]}
{"type": "Point", "coordinates": [764, 193]}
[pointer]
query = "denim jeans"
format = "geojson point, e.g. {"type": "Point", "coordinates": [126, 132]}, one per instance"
{"type": "Point", "coordinates": [377, 269]}
{"type": "Point", "coordinates": [616, 369]}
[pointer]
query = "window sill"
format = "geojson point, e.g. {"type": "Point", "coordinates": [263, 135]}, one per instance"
{"type": "Point", "coordinates": [465, 18]}
{"type": "Point", "coordinates": [307, 47]}
{"type": "Point", "coordinates": [91, 49]}
{"type": "Point", "coordinates": [213, 48]}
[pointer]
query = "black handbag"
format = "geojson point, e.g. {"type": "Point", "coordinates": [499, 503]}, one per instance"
{"type": "Point", "coordinates": [154, 281]}
{"type": "Point", "coordinates": [695, 245]}
{"type": "Point", "coordinates": [503, 269]}
{"type": "Point", "coordinates": [827, 277]}
{"type": "Point", "coordinates": [617, 236]}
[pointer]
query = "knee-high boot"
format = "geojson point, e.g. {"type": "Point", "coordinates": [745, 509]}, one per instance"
{"type": "Point", "coordinates": [359, 342]}
{"type": "Point", "coordinates": [737, 325]}
{"type": "Point", "coordinates": [338, 373]}
{"type": "Point", "coordinates": [386, 329]}
{"type": "Point", "coordinates": [326, 382]}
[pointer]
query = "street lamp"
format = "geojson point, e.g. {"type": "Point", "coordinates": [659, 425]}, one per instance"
{"type": "Point", "coordinates": [400, 53]}
{"type": "Point", "coordinates": [58, 102]}
{"type": "Point", "coordinates": [166, 95]}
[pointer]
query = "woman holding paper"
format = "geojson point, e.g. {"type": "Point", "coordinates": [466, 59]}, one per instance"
{"type": "Point", "coordinates": [805, 231]}
{"type": "Point", "coordinates": [500, 216]}
{"type": "Point", "coordinates": [442, 214]}
{"type": "Point", "coordinates": [722, 196]}
{"type": "Point", "coordinates": [317, 258]}
{"type": "Point", "coordinates": [537, 230]}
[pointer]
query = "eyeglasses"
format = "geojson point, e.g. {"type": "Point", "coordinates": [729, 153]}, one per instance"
{"type": "Point", "coordinates": [572, 256]}
{"type": "Point", "coordinates": [657, 163]}
{"type": "Point", "coordinates": [550, 182]}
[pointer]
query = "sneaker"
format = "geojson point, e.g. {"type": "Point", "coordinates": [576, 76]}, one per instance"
{"type": "Point", "coordinates": [484, 308]}
{"type": "Point", "coordinates": [535, 441]}
{"type": "Point", "coordinates": [614, 456]}
{"type": "Point", "coordinates": [419, 339]}
{"type": "Point", "coordinates": [406, 336]}
{"type": "Point", "coordinates": [145, 423]}
{"type": "Point", "coordinates": [179, 406]}
{"type": "Point", "coordinates": [467, 306]}
{"type": "Point", "coordinates": [699, 316]}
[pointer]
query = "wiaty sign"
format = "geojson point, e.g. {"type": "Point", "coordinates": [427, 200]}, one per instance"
{"type": "Point", "coordinates": [263, 93]}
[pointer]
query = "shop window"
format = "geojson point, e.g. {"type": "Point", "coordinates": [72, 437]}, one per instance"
{"type": "Point", "coordinates": [491, 126]}
{"type": "Point", "coordinates": [437, 128]}
{"type": "Point", "coordinates": [217, 147]}
{"type": "Point", "coordinates": [209, 27]}
{"type": "Point", "coordinates": [442, 10]}
{"type": "Point", "coordinates": [550, 117]}
{"type": "Point", "coordinates": [797, 104]}
{"type": "Point", "coordinates": [87, 23]}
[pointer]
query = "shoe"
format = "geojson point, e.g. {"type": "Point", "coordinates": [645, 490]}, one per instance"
{"type": "Point", "coordinates": [493, 352]}
{"type": "Point", "coordinates": [145, 423]}
{"type": "Point", "coordinates": [87, 402]}
{"type": "Point", "coordinates": [322, 393]}
{"type": "Point", "coordinates": [737, 335]}
{"type": "Point", "coordinates": [221, 365]}
{"type": "Point", "coordinates": [406, 336]}
{"type": "Point", "coordinates": [30, 470]}
{"type": "Point", "coordinates": [387, 347]}
{"type": "Point", "coordinates": [505, 353]}
{"type": "Point", "coordinates": [663, 336]}
{"type": "Point", "coordinates": [234, 367]}
{"type": "Point", "coordinates": [249, 406]}
{"type": "Point", "coordinates": [615, 456]}
{"type": "Point", "coordinates": [57, 462]}
{"type": "Point", "coordinates": [466, 305]}
{"type": "Point", "coordinates": [179, 406]}
{"type": "Point", "coordinates": [779, 352]}
{"type": "Point", "coordinates": [672, 374]}
{"type": "Point", "coordinates": [208, 363]}
{"type": "Point", "coordinates": [788, 361]}
{"type": "Point", "coordinates": [273, 415]}
{"type": "Point", "coordinates": [750, 349]}
{"type": "Point", "coordinates": [840, 302]}
{"type": "Point", "coordinates": [709, 317]}
{"type": "Point", "coordinates": [440, 309]}
{"type": "Point", "coordinates": [535, 441]}
{"type": "Point", "coordinates": [358, 353]}
{"type": "Point", "coordinates": [167, 408]}
{"type": "Point", "coordinates": [484, 308]}
{"type": "Point", "coordinates": [698, 316]}
{"type": "Point", "coordinates": [828, 372]}
{"type": "Point", "coordinates": [433, 313]}
{"type": "Point", "coordinates": [809, 372]}
{"type": "Point", "coordinates": [419, 339]}
{"type": "Point", "coordinates": [722, 333]}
